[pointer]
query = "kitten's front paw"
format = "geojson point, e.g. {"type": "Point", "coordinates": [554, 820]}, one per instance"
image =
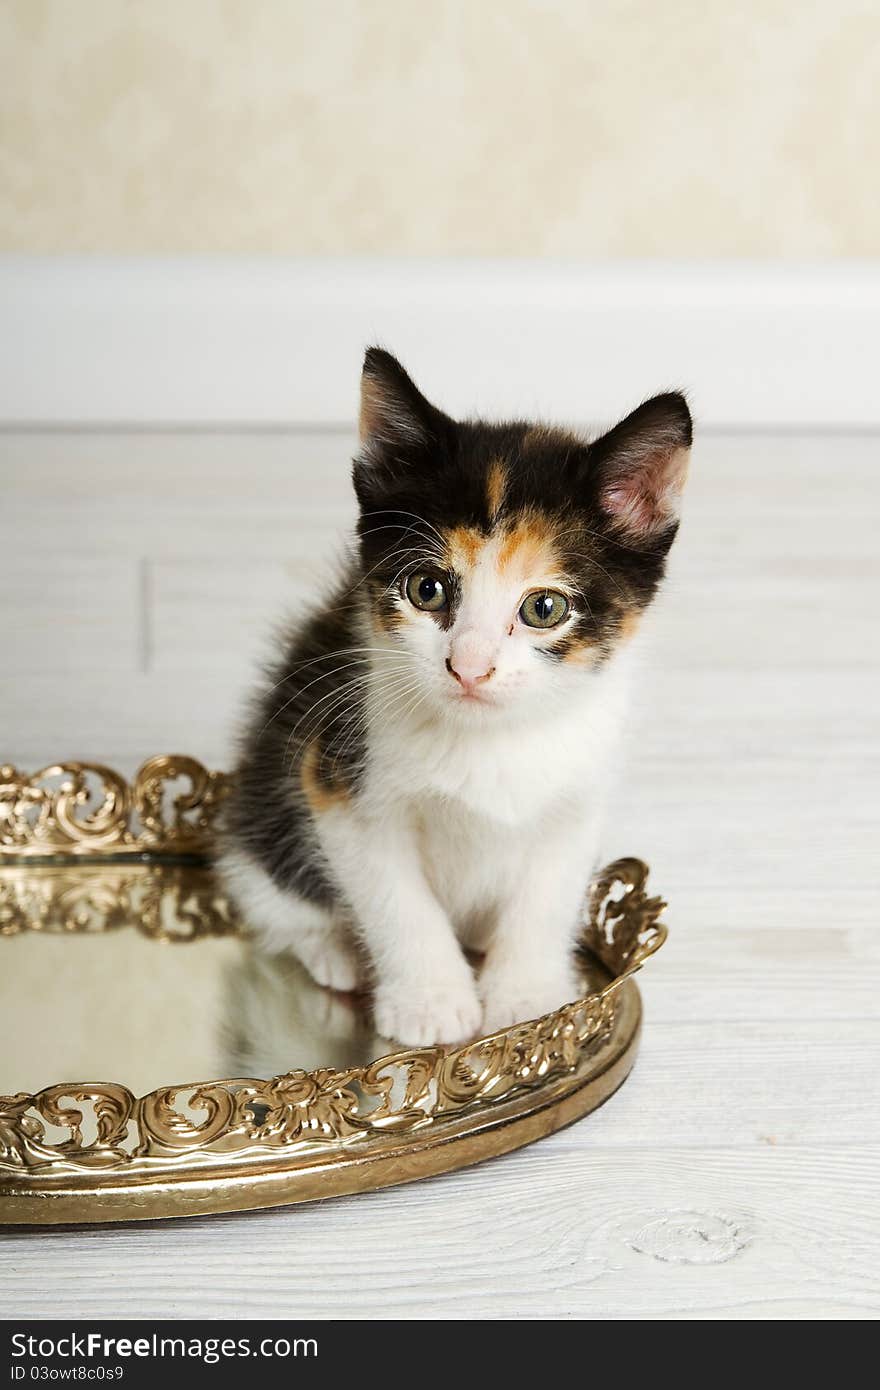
{"type": "Point", "coordinates": [331, 959]}
{"type": "Point", "coordinates": [422, 1015]}
{"type": "Point", "coordinates": [511, 996]}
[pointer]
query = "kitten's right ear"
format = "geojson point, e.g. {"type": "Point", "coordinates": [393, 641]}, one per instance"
{"type": "Point", "coordinates": [394, 413]}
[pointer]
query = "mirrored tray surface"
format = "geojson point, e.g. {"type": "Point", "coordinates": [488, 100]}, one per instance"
{"type": "Point", "coordinates": [154, 1062]}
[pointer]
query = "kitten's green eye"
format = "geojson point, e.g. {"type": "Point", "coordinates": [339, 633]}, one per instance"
{"type": "Point", "coordinates": [544, 608]}
{"type": "Point", "coordinates": [426, 591]}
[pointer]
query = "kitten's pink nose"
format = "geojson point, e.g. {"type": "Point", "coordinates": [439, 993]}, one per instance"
{"type": "Point", "coordinates": [469, 674]}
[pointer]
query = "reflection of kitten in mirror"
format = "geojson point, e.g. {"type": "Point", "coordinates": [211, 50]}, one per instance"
{"type": "Point", "coordinates": [426, 767]}
{"type": "Point", "coordinates": [276, 1017]}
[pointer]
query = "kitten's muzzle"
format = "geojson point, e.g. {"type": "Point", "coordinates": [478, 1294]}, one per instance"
{"type": "Point", "coordinates": [469, 677]}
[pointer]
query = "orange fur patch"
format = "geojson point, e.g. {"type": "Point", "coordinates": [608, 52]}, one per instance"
{"type": "Point", "coordinates": [528, 548]}
{"type": "Point", "coordinates": [322, 793]}
{"type": "Point", "coordinates": [464, 545]}
{"type": "Point", "coordinates": [496, 482]}
{"type": "Point", "coordinates": [583, 652]}
{"type": "Point", "coordinates": [525, 550]}
{"type": "Point", "coordinates": [629, 624]}
{"type": "Point", "coordinates": [539, 436]}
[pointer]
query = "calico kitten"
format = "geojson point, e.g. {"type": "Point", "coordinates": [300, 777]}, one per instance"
{"type": "Point", "coordinates": [425, 770]}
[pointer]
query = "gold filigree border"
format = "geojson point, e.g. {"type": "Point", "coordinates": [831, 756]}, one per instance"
{"type": "Point", "coordinates": [77, 809]}
{"type": "Point", "coordinates": [91, 1129]}
{"type": "Point", "coordinates": [163, 901]}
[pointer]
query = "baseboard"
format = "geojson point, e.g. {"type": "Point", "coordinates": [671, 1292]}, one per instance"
{"type": "Point", "coordinates": [225, 342]}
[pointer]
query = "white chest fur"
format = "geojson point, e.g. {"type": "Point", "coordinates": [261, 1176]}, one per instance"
{"type": "Point", "coordinates": [511, 772]}
{"type": "Point", "coordinates": [482, 800]}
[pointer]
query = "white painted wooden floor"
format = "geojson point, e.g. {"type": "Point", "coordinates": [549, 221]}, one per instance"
{"type": "Point", "coordinates": [737, 1173]}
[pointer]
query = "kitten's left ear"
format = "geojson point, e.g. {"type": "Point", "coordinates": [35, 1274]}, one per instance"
{"type": "Point", "coordinates": [639, 468]}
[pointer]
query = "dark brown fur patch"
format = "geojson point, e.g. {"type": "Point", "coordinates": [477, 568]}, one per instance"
{"type": "Point", "coordinates": [313, 698]}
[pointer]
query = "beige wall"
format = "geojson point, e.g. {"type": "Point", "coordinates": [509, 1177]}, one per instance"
{"type": "Point", "coordinates": [573, 127]}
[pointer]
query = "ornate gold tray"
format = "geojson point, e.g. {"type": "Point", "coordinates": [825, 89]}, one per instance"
{"type": "Point", "coordinates": [114, 935]}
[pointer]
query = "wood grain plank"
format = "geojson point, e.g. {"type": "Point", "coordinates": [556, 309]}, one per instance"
{"type": "Point", "coordinates": [198, 494]}
{"type": "Point", "coordinates": [68, 613]}
{"type": "Point", "coordinates": [765, 972]}
{"type": "Point", "coordinates": [216, 617]}
{"type": "Point", "coordinates": [545, 1232]}
{"type": "Point", "coordinates": [721, 1083]}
